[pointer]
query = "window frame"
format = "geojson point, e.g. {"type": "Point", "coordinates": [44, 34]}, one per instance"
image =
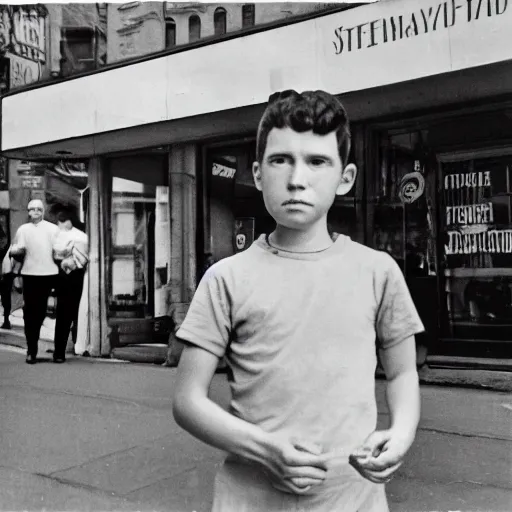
{"type": "Point", "coordinates": [192, 19]}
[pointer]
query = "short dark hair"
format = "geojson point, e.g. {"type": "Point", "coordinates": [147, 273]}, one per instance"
{"type": "Point", "coordinates": [64, 215]}
{"type": "Point", "coordinates": [318, 111]}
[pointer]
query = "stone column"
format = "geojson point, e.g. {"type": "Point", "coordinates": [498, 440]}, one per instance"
{"type": "Point", "coordinates": [183, 161]}
{"type": "Point", "coordinates": [99, 339]}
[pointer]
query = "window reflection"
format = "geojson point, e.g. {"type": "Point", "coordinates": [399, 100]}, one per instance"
{"type": "Point", "coordinates": [140, 249]}
{"type": "Point", "coordinates": [477, 242]}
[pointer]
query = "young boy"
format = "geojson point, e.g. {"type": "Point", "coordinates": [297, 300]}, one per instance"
{"type": "Point", "coordinates": [297, 316]}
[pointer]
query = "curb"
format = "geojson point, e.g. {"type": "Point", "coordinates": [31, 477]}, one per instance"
{"type": "Point", "coordinates": [490, 380]}
{"type": "Point", "coordinates": [15, 338]}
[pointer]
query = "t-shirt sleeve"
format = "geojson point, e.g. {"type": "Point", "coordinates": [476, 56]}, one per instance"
{"type": "Point", "coordinates": [397, 318]}
{"type": "Point", "coordinates": [208, 321]}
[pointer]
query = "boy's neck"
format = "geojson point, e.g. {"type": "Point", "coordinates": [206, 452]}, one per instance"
{"type": "Point", "coordinates": [315, 238]}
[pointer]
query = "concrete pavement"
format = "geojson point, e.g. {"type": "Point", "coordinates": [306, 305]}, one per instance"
{"type": "Point", "coordinates": [96, 435]}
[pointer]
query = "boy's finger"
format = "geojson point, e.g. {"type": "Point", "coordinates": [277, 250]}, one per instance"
{"type": "Point", "coordinates": [301, 458]}
{"type": "Point", "coordinates": [305, 472]}
{"type": "Point", "coordinates": [382, 462]}
{"type": "Point", "coordinates": [305, 482]}
{"type": "Point", "coordinates": [380, 476]}
{"type": "Point", "coordinates": [288, 486]}
{"type": "Point", "coordinates": [307, 446]}
{"type": "Point", "coordinates": [375, 442]}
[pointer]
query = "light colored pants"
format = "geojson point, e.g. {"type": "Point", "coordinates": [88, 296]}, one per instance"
{"type": "Point", "coordinates": [244, 488]}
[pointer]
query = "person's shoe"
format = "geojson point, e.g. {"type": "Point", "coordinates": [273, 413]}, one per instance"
{"type": "Point", "coordinates": [58, 360]}
{"type": "Point", "coordinates": [31, 360]}
{"type": "Point", "coordinates": [6, 325]}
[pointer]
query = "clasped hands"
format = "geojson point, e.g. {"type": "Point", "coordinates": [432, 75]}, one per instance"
{"type": "Point", "coordinates": [297, 466]}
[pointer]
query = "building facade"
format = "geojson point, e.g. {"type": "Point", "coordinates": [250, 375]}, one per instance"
{"type": "Point", "coordinates": [39, 43]}
{"type": "Point", "coordinates": [431, 137]}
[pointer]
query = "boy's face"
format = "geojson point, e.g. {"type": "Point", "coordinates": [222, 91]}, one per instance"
{"type": "Point", "coordinates": [300, 175]}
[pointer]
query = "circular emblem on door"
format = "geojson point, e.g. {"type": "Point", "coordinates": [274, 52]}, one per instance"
{"type": "Point", "coordinates": [411, 187]}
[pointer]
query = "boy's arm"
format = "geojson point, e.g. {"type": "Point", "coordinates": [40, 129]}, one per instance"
{"type": "Point", "coordinates": [384, 450]}
{"type": "Point", "coordinates": [397, 322]}
{"type": "Point", "coordinates": [403, 390]}
{"type": "Point", "coordinates": [297, 470]}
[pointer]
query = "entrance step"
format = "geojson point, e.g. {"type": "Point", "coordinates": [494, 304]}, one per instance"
{"type": "Point", "coordinates": [476, 363]}
{"type": "Point", "coordinates": [142, 353]}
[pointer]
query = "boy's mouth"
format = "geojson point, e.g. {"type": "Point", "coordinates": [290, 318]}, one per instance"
{"type": "Point", "coordinates": [296, 201]}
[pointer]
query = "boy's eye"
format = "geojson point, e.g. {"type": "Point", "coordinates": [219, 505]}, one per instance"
{"type": "Point", "coordinates": [318, 162]}
{"type": "Point", "coordinates": [280, 160]}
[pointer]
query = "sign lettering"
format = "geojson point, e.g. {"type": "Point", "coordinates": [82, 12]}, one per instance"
{"type": "Point", "coordinates": [22, 31]}
{"type": "Point", "coordinates": [403, 26]}
{"type": "Point", "coordinates": [23, 71]}
{"type": "Point", "coordinates": [492, 241]}
{"type": "Point", "coordinates": [223, 171]}
{"type": "Point", "coordinates": [470, 214]}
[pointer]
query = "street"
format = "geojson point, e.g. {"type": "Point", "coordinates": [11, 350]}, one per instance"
{"type": "Point", "coordinates": [99, 435]}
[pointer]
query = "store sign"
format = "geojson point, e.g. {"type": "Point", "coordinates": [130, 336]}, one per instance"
{"type": "Point", "coordinates": [471, 223]}
{"type": "Point", "coordinates": [22, 31]}
{"type": "Point", "coordinates": [23, 71]}
{"type": "Point", "coordinates": [32, 182]}
{"type": "Point", "coordinates": [376, 45]}
{"type": "Point", "coordinates": [423, 20]}
{"type": "Point", "coordinates": [223, 171]}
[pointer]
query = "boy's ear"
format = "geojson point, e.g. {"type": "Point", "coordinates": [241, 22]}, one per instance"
{"type": "Point", "coordinates": [348, 178]}
{"type": "Point", "coordinates": [256, 174]}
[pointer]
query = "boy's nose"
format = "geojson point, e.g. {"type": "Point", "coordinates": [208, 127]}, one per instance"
{"type": "Point", "coordinates": [297, 178]}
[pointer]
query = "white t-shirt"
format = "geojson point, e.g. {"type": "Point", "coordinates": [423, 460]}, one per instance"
{"type": "Point", "coordinates": [299, 334]}
{"type": "Point", "coordinates": [38, 239]}
{"type": "Point", "coordinates": [64, 237]}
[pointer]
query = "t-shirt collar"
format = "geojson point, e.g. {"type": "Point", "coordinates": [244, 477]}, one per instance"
{"type": "Point", "coordinates": [340, 241]}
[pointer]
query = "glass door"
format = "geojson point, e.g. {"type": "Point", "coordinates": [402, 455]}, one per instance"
{"type": "Point", "coordinates": [476, 223]}
{"type": "Point", "coordinates": [133, 251]}
{"type": "Point", "coordinates": [403, 214]}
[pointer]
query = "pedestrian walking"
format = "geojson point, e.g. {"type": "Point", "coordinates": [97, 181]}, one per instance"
{"type": "Point", "coordinates": [70, 250]}
{"type": "Point", "coordinates": [6, 278]}
{"type": "Point", "coordinates": [297, 316]}
{"type": "Point", "coordinates": [33, 245]}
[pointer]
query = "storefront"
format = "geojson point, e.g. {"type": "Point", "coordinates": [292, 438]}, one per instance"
{"type": "Point", "coordinates": [429, 92]}
{"type": "Point", "coordinates": [442, 208]}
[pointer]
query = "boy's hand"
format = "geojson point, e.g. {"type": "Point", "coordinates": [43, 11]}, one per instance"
{"type": "Point", "coordinates": [380, 455]}
{"type": "Point", "coordinates": [296, 465]}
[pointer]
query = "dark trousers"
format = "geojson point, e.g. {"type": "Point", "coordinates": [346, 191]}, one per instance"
{"type": "Point", "coordinates": [36, 290]}
{"type": "Point", "coordinates": [69, 292]}
{"type": "Point", "coordinates": [5, 293]}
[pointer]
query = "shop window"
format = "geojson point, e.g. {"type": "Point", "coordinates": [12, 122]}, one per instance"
{"type": "Point", "coordinates": [476, 221]}
{"type": "Point", "coordinates": [170, 33]}
{"type": "Point", "coordinates": [78, 50]}
{"type": "Point", "coordinates": [248, 15]}
{"type": "Point", "coordinates": [139, 242]}
{"type": "Point", "coordinates": [236, 211]}
{"type": "Point", "coordinates": [219, 21]}
{"type": "Point", "coordinates": [194, 28]}
{"type": "Point", "coordinates": [404, 212]}
{"type": "Point", "coordinates": [237, 214]}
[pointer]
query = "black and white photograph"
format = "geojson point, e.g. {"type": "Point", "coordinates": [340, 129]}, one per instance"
{"type": "Point", "coordinates": [256, 257]}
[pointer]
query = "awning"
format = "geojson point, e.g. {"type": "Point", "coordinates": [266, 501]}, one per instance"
{"type": "Point", "coordinates": [408, 54]}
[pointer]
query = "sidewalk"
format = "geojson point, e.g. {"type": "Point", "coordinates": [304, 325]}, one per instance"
{"type": "Point", "coordinates": [16, 336]}
{"type": "Point", "coordinates": [155, 354]}
{"type": "Point", "coordinates": [77, 437]}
